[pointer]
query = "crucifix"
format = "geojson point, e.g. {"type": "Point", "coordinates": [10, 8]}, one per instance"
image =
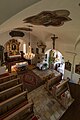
{"type": "Point", "coordinates": [53, 39]}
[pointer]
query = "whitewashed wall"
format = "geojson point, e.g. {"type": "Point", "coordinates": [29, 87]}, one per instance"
{"type": "Point", "coordinates": [4, 37]}
{"type": "Point", "coordinates": [68, 56]}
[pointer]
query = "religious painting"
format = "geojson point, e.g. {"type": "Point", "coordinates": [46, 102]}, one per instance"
{"type": "Point", "coordinates": [68, 65]}
{"type": "Point", "coordinates": [16, 33]}
{"type": "Point", "coordinates": [12, 47]}
{"type": "Point", "coordinates": [77, 69]}
{"type": "Point", "coordinates": [49, 18]}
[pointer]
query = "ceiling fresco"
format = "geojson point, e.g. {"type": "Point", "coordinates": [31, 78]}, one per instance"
{"type": "Point", "coordinates": [49, 18]}
{"type": "Point", "coordinates": [24, 28]}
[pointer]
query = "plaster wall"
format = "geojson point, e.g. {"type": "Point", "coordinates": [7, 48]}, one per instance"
{"type": "Point", "coordinates": [62, 47]}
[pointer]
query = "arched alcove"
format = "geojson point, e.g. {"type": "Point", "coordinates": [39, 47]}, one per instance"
{"type": "Point", "coordinates": [54, 60]}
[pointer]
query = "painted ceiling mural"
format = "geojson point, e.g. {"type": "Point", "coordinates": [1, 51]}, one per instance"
{"type": "Point", "coordinates": [14, 33]}
{"type": "Point", "coordinates": [24, 28]}
{"type": "Point", "coordinates": [49, 18]}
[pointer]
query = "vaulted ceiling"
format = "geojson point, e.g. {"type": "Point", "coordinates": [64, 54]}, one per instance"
{"type": "Point", "coordinates": [13, 12]}
{"type": "Point", "coordinates": [8, 8]}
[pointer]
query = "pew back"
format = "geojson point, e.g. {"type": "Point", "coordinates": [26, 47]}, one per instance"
{"type": "Point", "coordinates": [7, 78]}
{"type": "Point", "coordinates": [6, 94]}
{"type": "Point", "coordinates": [12, 102]}
{"type": "Point", "coordinates": [53, 81]}
{"type": "Point", "coordinates": [8, 84]}
{"type": "Point", "coordinates": [24, 112]}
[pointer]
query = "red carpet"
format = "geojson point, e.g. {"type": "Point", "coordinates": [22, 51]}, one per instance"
{"type": "Point", "coordinates": [31, 80]}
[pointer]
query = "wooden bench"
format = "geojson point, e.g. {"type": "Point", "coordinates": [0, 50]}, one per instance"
{"type": "Point", "coordinates": [12, 102]}
{"type": "Point", "coordinates": [59, 92]}
{"type": "Point", "coordinates": [24, 112]}
{"type": "Point", "coordinates": [17, 107]}
{"type": "Point", "coordinates": [8, 84]}
{"type": "Point", "coordinates": [6, 94]}
{"type": "Point", "coordinates": [53, 81]}
{"type": "Point", "coordinates": [73, 111]}
{"type": "Point", "coordinates": [60, 88]}
{"type": "Point", "coordinates": [7, 78]}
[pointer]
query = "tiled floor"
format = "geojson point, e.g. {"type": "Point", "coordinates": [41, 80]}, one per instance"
{"type": "Point", "coordinates": [45, 105]}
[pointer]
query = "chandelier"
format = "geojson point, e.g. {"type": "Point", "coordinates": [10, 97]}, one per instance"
{"type": "Point", "coordinates": [29, 55]}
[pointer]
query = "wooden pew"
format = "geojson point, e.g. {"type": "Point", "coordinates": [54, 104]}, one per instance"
{"type": "Point", "coordinates": [73, 111]}
{"type": "Point", "coordinates": [7, 78]}
{"type": "Point", "coordinates": [52, 82]}
{"type": "Point", "coordinates": [6, 94]}
{"type": "Point", "coordinates": [17, 108]}
{"type": "Point", "coordinates": [12, 102]}
{"type": "Point", "coordinates": [61, 88]}
{"type": "Point", "coordinates": [8, 84]}
{"type": "Point", "coordinates": [22, 113]}
{"type": "Point", "coordinates": [58, 92]}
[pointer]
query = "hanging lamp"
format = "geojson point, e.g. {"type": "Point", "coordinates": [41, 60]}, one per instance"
{"type": "Point", "coordinates": [29, 55]}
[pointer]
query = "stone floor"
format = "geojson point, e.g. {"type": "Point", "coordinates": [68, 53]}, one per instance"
{"type": "Point", "coordinates": [45, 106]}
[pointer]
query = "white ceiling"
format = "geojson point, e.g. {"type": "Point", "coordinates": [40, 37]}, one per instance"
{"type": "Point", "coordinates": [13, 12]}
{"type": "Point", "coordinates": [8, 8]}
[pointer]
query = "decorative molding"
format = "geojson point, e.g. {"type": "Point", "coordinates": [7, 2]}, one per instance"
{"type": "Point", "coordinates": [14, 33]}
{"type": "Point", "coordinates": [48, 18]}
{"type": "Point", "coordinates": [24, 29]}
{"type": "Point", "coordinates": [41, 45]}
{"type": "Point", "coordinates": [12, 47]}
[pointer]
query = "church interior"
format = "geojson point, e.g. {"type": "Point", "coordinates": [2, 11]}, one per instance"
{"type": "Point", "coordinates": [40, 60]}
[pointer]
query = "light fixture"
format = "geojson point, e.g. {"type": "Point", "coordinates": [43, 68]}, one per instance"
{"type": "Point", "coordinates": [29, 55]}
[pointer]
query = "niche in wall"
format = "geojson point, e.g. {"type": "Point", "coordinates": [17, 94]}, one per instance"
{"type": "Point", "coordinates": [12, 47]}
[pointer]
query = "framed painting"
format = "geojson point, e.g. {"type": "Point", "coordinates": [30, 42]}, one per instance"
{"type": "Point", "coordinates": [77, 68]}
{"type": "Point", "coordinates": [68, 65]}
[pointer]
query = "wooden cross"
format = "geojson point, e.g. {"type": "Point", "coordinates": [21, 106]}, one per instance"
{"type": "Point", "coordinates": [54, 38]}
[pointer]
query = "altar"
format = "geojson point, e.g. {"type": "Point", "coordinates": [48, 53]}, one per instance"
{"type": "Point", "coordinates": [12, 60]}
{"type": "Point", "coordinates": [19, 67]}
{"type": "Point", "coordinates": [14, 56]}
